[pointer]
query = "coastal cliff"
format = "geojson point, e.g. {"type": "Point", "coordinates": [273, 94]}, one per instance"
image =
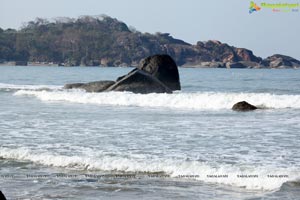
{"type": "Point", "coordinates": [105, 41]}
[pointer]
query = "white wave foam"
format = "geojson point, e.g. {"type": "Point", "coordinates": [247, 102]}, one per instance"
{"type": "Point", "coordinates": [200, 100]}
{"type": "Point", "coordinates": [173, 168]}
{"type": "Point", "coordinates": [28, 87]}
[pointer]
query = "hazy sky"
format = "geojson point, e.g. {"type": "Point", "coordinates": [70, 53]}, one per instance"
{"type": "Point", "coordinates": [264, 32]}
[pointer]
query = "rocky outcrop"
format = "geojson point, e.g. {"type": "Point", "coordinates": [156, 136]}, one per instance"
{"type": "Point", "coordinates": [281, 61]}
{"type": "Point", "coordinates": [139, 81]}
{"type": "Point", "coordinates": [246, 55]}
{"type": "Point", "coordinates": [215, 54]}
{"type": "Point", "coordinates": [243, 106]}
{"type": "Point", "coordinates": [215, 51]}
{"type": "Point", "coordinates": [163, 68]}
{"type": "Point", "coordinates": [155, 74]}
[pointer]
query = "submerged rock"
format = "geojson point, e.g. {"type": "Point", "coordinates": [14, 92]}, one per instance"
{"type": "Point", "coordinates": [97, 86]}
{"type": "Point", "coordinates": [243, 106]}
{"type": "Point", "coordinates": [155, 74]}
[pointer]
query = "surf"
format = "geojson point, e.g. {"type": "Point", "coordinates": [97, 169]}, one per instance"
{"type": "Point", "coordinates": [177, 100]}
{"type": "Point", "coordinates": [224, 174]}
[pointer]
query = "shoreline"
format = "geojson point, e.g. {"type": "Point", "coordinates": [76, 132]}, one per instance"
{"type": "Point", "coordinates": [13, 64]}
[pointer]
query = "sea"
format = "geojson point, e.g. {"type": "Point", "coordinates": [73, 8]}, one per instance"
{"type": "Point", "coordinates": [70, 144]}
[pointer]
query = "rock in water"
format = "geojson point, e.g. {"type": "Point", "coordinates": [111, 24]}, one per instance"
{"type": "Point", "coordinates": [243, 106]}
{"type": "Point", "coordinates": [164, 68]}
{"type": "Point", "coordinates": [97, 86]}
{"type": "Point", "coordinates": [138, 81]}
{"type": "Point", "coordinates": [155, 74]}
{"type": "Point", "coordinates": [2, 197]}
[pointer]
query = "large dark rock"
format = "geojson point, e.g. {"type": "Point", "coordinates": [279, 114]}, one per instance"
{"type": "Point", "coordinates": [97, 86]}
{"type": "Point", "coordinates": [164, 68]}
{"type": "Point", "coordinates": [243, 106]}
{"type": "Point", "coordinates": [138, 81]}
{"type": "Point", "coordinates": [2, 197]}
{"type": "Point", "coordinates": [155, 74]}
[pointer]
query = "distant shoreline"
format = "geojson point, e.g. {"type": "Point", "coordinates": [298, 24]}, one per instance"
{"type": "Point", "coordinates": [105, 41]}
{"type": "Point", "coordinates": [199, 66]}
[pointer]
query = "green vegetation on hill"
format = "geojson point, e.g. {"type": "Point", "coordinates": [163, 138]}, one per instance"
{"type": "Point", "coordinates": [106, 41]}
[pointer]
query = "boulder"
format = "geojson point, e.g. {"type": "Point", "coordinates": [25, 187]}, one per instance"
{"type": "Point", "coordinates": [162, 67]}
{"type": "Point", "coordinates": [243, 106]}
{"type": "Point", "coordinates": [2, 197]}
{"type": "Point", "coordinates": [97, 86]}
{"type": "Point", "coordinates": [138, 81]}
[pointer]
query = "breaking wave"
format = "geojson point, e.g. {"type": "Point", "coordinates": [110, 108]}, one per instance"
{"type": "Point", "coordinates": [175, 168]}
{"type": "Point", "coordinates": [179, 100]}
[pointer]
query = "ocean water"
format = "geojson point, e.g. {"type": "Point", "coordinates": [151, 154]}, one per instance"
{"type": "Point", "coordinates": [69, 144]}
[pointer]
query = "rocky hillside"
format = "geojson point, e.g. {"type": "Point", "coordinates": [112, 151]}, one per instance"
{"type": "Point", "coordinates": [102, 40]}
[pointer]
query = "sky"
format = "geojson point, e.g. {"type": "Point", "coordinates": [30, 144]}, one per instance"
{"type": "Point", "coordinates": [264, 32]}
